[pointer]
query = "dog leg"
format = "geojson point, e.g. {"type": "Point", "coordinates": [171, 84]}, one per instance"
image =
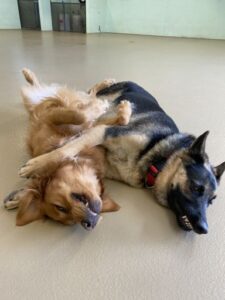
{"type": "Point", "coordinates": [62, 116]}
{"type": "Point", "coordinates": [46, 164]}
{"type": "Point", "coordinates": [13, 199]}
{"type": "Point", "coordinates": [35, 93]}
{"type": "Point", "coordinates": [68, 122]}
{"type": "Point", "coordinates": [124, 111]}
{"type": "Point", "coordinates": [122, 117]}
{"type": "Point", "coordinates": [100, 86]}
{"type": "Point", "coordinates": [31, 77]}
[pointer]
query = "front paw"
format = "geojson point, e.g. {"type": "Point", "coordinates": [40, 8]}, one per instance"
{"type": "Point", "coordinates": [12, 200]}
{"type": "Point", "coordinates": [124, 111]}
{"type": "Point", "coordinates": [34, 167]}
{"type": "Point", "coordinates": [109, 82]}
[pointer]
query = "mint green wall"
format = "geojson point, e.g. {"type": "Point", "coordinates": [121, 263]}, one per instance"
{"type": "Point", "coordinates": [45, 14]}
{"type": "Point", "coordinates": [95, 11]}
{"type": "Point", "coordinates": [9, 14]}
{"type": "Point", "coordinates": [185, 18]}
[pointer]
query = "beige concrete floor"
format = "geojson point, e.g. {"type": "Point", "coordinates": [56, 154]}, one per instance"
{"type": "Point", "coordinates": [139, 252]}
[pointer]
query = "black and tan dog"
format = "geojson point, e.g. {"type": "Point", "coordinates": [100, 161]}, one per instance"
{"type": "Point", "coordinates": [149, 152]}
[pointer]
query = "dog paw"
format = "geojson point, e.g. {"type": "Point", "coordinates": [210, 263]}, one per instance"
{"type": "Point", "coordinates": [109, 82]}
{"type": "Point", "coordinates": [34, 167]}
{"type": "Point", "coordinates": [124, 111]}
{"type": "Point", "coordinates": [12, 201]}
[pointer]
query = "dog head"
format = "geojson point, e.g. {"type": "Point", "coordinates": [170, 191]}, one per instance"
{"type": "Point", "coordinates": [74, 194]}
{"type": "Point", "coordinates": [192, 186]}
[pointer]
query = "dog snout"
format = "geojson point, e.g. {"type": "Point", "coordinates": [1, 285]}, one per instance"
{"type": "Point", "coordinates": [201, 227]}
{"type": "Point", "coordinates": [90, 220]}
{"type": "Point", "coordinates": [95, 206]}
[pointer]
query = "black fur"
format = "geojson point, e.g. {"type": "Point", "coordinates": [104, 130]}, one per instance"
{"type": "Point", "coordinates": [142, 102]}
{"type": "Point", "coordinates": [195, 210]}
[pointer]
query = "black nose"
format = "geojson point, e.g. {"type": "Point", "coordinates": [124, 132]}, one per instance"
{"type": "Point", "coordinates": [86, 224]}
{"type": "Point", "coordinates": [90, 220]}
{"type": "Point", "coordinates": [201, 228]}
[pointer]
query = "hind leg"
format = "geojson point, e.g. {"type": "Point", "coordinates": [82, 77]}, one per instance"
{"type": "Point", "coordinates": [31, 77]}
{"type": "Point", "coordinates": [35, 93]}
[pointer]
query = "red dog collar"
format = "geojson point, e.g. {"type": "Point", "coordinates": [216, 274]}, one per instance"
{"type": "Point", "coordinates": [151, 176]}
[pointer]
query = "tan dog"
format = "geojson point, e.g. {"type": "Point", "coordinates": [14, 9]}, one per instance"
{"type": "Point", "coordinates": [73, 191]}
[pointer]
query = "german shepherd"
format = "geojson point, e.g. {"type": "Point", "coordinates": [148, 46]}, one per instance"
{"type": "Point", "coordinates": [149, 152]}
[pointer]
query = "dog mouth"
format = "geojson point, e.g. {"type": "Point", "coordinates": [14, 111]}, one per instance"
{"type": "Point", "coordinates": [185, 223]}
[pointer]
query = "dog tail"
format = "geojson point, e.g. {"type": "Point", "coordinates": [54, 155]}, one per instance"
{"type": "Point", "coordinates": [117, 87]}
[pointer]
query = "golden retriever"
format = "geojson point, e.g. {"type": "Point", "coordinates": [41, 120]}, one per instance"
{"type": "Point", "coordinates": [72, 192]}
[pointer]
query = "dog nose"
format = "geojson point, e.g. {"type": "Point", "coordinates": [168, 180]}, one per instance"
{"type": "Point", "coordinates": [95, 206]}
{"type": "Point", "coordinates": [90, 220]}
{"type": "Point", "coordinates": [201, 228]}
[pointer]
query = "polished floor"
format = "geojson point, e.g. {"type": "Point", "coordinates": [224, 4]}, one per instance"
{"type": "Point", "coordinates": [139, 252]}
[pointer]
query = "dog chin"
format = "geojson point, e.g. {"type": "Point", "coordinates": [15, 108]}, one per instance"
{"type": "Point", "coordinates": [184, 223]}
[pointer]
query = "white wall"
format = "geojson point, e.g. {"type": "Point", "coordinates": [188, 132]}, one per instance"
{"type": "Point", "coordinates": [185, 18]}
{"type": "Point", "coordinates": [9, 14]}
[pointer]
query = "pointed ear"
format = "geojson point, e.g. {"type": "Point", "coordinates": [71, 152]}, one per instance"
{"type": "Point", "coordinates": [218, 171]}
{"type": "Point", "coordinates": [108, 205]}
{"type": "Point", "coordinates": [29, 209]}
{"type": "Point", "coordinates": [197, 149]}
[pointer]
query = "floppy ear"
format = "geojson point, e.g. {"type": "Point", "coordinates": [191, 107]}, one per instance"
{"type": "Point", "coordinates": [197, 149]}
{"type": "Point", "coordinates": [218, 171]}
{"type": "Point", "coordinates": [108, 205]}
{"type": "Point", "coordinates": [29, 209]}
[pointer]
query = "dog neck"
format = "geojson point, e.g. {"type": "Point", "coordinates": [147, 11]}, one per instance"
{"type": "Point", "coordinates": [156, 163]}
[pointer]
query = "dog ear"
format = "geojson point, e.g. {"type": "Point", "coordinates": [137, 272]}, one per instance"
{"type": "Point", "coordinates": [197, 149]}
{"type": "Point", "coordinates": [108, 205]}
{"type": "Point", "coordinates": [29, 209]}
{"type": "Point", "coordinates": [218, 171]}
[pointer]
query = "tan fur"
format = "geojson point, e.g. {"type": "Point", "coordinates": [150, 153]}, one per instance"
{"type": "Point", "coordinates": [174, 174]}
{"type": "Point", "coordinates": [56, 114]}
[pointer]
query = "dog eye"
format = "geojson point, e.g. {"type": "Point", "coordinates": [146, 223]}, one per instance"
{"type": "Point", "coordinates": [60, 208]}
{"type": "Point", "coordinates": [80, 198]}
{"type": "Point", "coordinates": [197, 188]}
{"type": "Point", "coordinates": [210, 201]}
